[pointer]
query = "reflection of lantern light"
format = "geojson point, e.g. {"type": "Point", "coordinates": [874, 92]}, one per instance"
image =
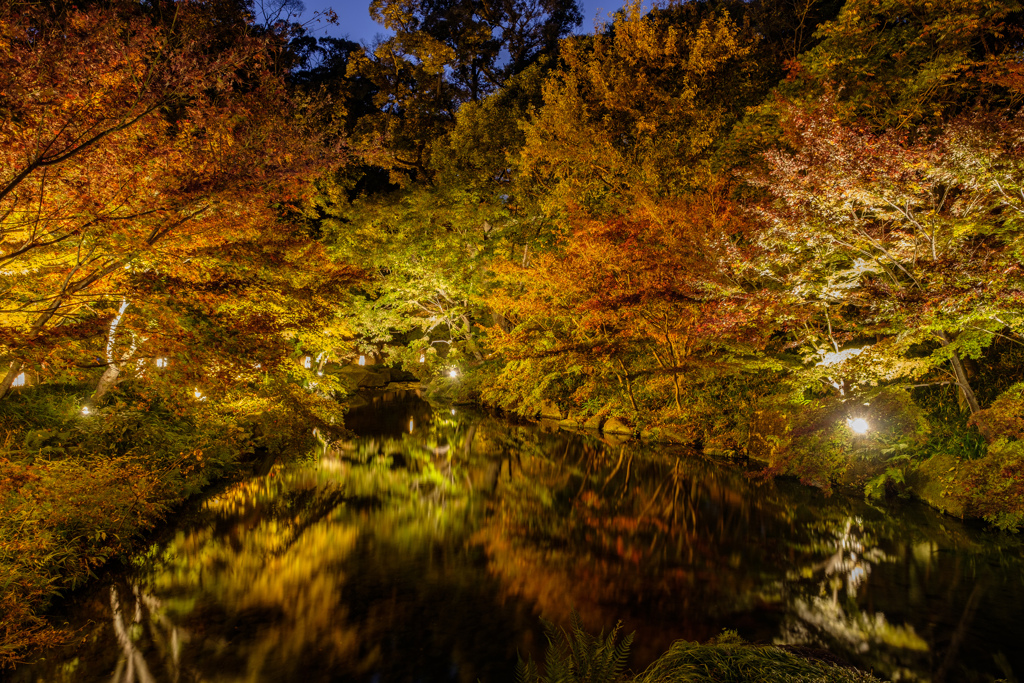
{"type": "Point", "coordinates": [453, 373]}
{"type": "Point", "coordinates": [423, 357]}
{"type": "Point", "coordinates": [19, 381]}
{"type": "Point", "coordinates": [362, 360]}
{"type": "Point", "coordinates": [410, 425]}
{"type": "Point", "coordinates": [858, 425]}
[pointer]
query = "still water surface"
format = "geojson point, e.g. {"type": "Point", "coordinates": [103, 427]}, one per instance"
{"type": "Point", "coordinates": [428, 547]}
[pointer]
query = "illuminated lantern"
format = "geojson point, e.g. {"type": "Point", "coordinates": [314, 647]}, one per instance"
{"type": "Point", "coordinates": [362, 360]}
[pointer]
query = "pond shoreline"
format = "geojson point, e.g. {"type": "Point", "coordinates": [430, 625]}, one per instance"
{"type": "Point", "coordinates": [156, 529]}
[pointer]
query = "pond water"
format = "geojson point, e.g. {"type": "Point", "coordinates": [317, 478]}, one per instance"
{"type": "Point", "coordinates": [428, 547]}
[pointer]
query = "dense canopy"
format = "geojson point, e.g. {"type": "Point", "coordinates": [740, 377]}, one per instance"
{"type": "Point", "coordinates": [763, 227]}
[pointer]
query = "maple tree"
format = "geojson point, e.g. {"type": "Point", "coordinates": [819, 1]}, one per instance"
{"type": "Point", "coordinates": [914, 244]}
{"type": "Point", "coordinates": [151, 170]}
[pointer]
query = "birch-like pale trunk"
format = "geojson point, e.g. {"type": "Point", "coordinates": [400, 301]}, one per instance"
{"type": "Point", "coordinates": [110, 375]}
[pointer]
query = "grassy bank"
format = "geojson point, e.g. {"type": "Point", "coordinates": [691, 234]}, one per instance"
{"type": "Point", "coordinates": [575, 656]}
{"type": "Point", "coordinates": [81, 485]}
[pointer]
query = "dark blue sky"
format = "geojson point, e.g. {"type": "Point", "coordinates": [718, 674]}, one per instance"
{"type": "Point", "coordinates": [354, 17]}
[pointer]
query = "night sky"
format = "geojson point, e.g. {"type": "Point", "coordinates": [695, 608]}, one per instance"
{"type": "Point", "coordinates": [355, 23]}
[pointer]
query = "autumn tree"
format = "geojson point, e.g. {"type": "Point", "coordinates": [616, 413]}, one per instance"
{"type": "Point", "coordinates": [903, 63]}
{"type": "Point", "coordinates": [910, 245]}
{"type": "Point", "coordinates": [130, 150]}
{"type": "Point", "coordinates": [622, 158]}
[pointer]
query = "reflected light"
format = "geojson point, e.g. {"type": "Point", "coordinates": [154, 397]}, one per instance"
{"type": "Point", "coordinates": [858, 425]}
{"type": "Point", "coordinates": [362, 360]}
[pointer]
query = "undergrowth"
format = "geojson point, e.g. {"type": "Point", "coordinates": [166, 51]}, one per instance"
{"type": "Point", "coordinates": [79, 487]}
{"type": "Point", "coordinates": [576, 656]}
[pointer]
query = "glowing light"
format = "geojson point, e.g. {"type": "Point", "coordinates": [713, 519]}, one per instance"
{"type": "Point", "coordinates": [834, 358]}
{"type": "Point", "coordinates": [453, 411]}
{"type": "Point", "coordinates": [85, 410]}
{"type": "Point", "coordinates": [362, 360]}
{"type": "Point", "coordinates": [198, 394]}
{"type": "Point", "coordinates": [307, 362]}
{"type": "Point", "coordinates": [453, 373]}
{"type": "Point", "coordinates": [423, 358]}
{"type": "Point", "coordinates": [19, 381]}
{"type": "Point", "coordinates": [161, 362]}
{"type": "Point", "coordinates": [858, 425]}
{"type": "Point", "coordinates": [411, 425]}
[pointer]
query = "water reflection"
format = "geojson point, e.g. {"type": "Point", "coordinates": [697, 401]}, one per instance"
{"type": "Point", "coordinates": [426, 548]}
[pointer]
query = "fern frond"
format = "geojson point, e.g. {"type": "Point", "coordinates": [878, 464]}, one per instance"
{"type": "Point", "coordinates": [526, 671]}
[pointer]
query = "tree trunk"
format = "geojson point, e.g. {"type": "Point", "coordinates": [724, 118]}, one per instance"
{"type": "Point", "coordinates": [471, 345]}
{"type": "Point", "coordinates": [107, 382]}
{"type": "Point", "coordinates": [961, 375]}
{"type": "Point", "coordinates": [12, 372]}
{"type": "Point", "coordinates": [17, 365]}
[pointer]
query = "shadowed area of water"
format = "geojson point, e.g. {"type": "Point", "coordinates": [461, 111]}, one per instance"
{"type": "Point", "coordinates": [427, 548]}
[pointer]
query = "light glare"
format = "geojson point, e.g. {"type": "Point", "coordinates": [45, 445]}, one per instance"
{"type": "Point", "coordinates": [858, 425]}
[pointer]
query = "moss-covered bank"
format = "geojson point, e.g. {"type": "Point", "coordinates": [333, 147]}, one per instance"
{"type": "Point", "coordinates": [80, 484]}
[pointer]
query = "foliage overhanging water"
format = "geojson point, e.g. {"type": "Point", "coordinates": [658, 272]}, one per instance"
{"type": "Point", "coordinates": [427, 547]}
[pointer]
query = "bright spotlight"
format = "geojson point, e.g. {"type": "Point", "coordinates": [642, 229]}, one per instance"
{"type": "Point", "coordinates": [858, 425]}
{"type": "Point", "coordinates": [453, 373]}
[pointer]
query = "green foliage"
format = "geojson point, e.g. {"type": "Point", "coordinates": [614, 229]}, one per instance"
{"type": "Point", "coordinates": [576, 656]}
{"type": "Point", "coordinates": [726, 661]}
{"type": "Point", "coordinates": [992, 487]}
{"type": "Point", "coordinates": [885, 485]}
{"type": "Point", "coordinates": [79, 489]}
